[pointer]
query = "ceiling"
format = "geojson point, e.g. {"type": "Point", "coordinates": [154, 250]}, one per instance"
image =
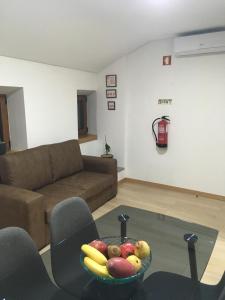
{"type": "Point", "coordinates": [90, 34]}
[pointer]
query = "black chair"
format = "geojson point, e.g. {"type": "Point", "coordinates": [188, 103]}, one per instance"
{"type": "Point", "coordinates": [22, 272]}
{"type": "Point", "coordinates": [71, 225]}
{"type": "Point", "coordinates": [169, 286]}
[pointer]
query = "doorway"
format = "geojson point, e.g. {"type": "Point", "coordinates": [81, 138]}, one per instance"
{"type": "Point", "coordinates": [82, 115]}
{"type": "Point", "coordinates": [87, 114]}
{"type": "Point", "coordinates": [4, 123]}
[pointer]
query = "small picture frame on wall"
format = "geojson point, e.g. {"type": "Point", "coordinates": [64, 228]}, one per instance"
{"type": "Point", "coordinates": [111, 105]}
{"type": "Point", "coordinates": [167, 60]}
{"type": "Point", "coordinates": [111, 93]}
{"type": "Point", "coordinates": [111, 80]}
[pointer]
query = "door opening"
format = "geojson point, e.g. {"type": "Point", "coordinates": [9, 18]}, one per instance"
{"type": "Point", "coordinates": [82, 115]}
{"type": "Point", "coordinates": [4, 124]}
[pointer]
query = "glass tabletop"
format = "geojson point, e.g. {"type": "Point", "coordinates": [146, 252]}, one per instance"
{"type": "Point", "coordinates": [163, 233]}
{"type": "Point", "coordinates": [86, 285]}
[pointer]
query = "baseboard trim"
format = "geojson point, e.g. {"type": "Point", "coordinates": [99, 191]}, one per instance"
{"type": "Point", "coordinates": [121, 181]}
{"type": "Point", "coordinates": [172, 188]}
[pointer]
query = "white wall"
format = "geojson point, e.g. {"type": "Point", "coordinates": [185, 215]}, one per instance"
{"type": "Point", "coordinates": [50, 97]}
{"type": "Point", "coordinates": [16, 117]}
{"type": "Point", "coordinates": [112, 123]}
{"type": "Point", "coordinates": [91, 148]}
{"type": "Point", "coordinates": [195, 156]}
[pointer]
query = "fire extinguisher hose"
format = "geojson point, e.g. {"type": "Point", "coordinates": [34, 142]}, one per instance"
{"type": "Point", "coordinates": [153, 130]}
{"type": "Point", "coordinates": [165, 118]}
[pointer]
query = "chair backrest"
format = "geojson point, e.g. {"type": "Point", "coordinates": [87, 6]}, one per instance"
{"type": "Point", "coordinates": [71, 225]}
{"type": "Point", "coordinates": [210, 292]}
{"type": "Point", "coordinates": [221, 288]}
{"type": "Point", "coordinates": [21, 269]}
{"type": "Point", "coordinates": [69, 217]}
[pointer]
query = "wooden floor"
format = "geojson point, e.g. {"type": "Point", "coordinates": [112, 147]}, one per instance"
{"type": "Point", "coordinates": [201, 210]}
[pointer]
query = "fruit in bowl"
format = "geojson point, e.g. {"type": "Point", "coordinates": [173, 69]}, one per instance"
{"type": "Point", "coordinates": [127, 249]}
{"type": "Point", "coordinates": [115, 262]}
{"type": "Point", "coordinates": [100, 246]}
{"type": "Point", "coordinates": [113, 251]}
{"type": "Point", "coordinates": [142, 249]}
{"type": "Point", "coordinates": [120, 267]}
{"type": "Point", "coordinates": [94, 254]}
{"type": "Point", "coordinates": [135, 261]}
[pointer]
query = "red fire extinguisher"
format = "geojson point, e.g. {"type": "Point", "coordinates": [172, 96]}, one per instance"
{"type": "Point", "coordinates": [162, 138]}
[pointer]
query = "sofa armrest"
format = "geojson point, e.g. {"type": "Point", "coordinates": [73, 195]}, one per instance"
{"type": "Point", "coordinates": [23, 208]}
{"type": "Point", "coordinates": [102, 165]}
{"type": "Point", "coordinates": [99, 164]}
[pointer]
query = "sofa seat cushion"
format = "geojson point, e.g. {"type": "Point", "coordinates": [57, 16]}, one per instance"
{"type": "Point", "coordinates": [55, 193]}
{"type": "Point", "coordinates": [65, 159]}
{"type": "Point", "coordinates": [29, 169]}
{"type": "Point", "coordinates": [91, 183]}
{"type": "Point", "coordinates": [83, 184]}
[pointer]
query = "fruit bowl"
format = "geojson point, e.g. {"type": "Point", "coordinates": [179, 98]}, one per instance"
{"type": "Point", "coordinates": [145, 263]}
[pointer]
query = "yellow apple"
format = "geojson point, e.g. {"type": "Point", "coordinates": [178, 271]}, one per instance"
{"type": "Point", "coordinates": [135, 261]}
{"type": "Point", "coordinates": [142, 249]}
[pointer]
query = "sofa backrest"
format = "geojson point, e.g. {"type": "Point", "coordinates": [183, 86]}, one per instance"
{"type": "Point", "coordinates": [29, 169]}
{"type": "Point", "coordinates": [36, 167]}
{"type": "Point", "coordinates": [65, 159]}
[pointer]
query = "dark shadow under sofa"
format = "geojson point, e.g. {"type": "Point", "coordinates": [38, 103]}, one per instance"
{"type": "Point", "coordinates": [34, 180]}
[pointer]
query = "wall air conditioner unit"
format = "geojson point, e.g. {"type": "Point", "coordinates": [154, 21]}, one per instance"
{"type": "Point", "coordinates": [200, 44]}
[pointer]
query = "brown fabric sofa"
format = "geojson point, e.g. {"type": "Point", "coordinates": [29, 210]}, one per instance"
{"type": "Point", "coordinates": [34, 180]}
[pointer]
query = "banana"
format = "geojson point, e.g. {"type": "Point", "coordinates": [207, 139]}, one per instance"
{"type": "Point", "coordinates": [94, 254]}
{"type": "Point", "coordinates": [96, 268]}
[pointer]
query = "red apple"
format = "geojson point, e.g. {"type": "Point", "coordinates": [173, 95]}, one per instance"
{"type": "Point", "coordinates": [127, 249]}
{"type": "Point", "coordinates": [100, 246]}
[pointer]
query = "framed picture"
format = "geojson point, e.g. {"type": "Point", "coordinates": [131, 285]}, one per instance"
{"type": "Point", "coordinates": [111, 105]}
{"type": "Point", "coordinates": [111, 80]}
{"type": "Point", "coordinates": [167, 60]}
{"type": "Point", "coordinates": [111, 93]}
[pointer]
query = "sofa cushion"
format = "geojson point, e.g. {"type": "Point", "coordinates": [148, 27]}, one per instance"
{"type": "Point", "coordinates": [29, 169]}
{"type": "Point", "coordinates": [55, 193]}
{"type": "Point", "coordinates": [65, 159]}
{"type": "Point", "coordinates": [91, 183]}
{"type": "Point", "coordinates": [82, 184]}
